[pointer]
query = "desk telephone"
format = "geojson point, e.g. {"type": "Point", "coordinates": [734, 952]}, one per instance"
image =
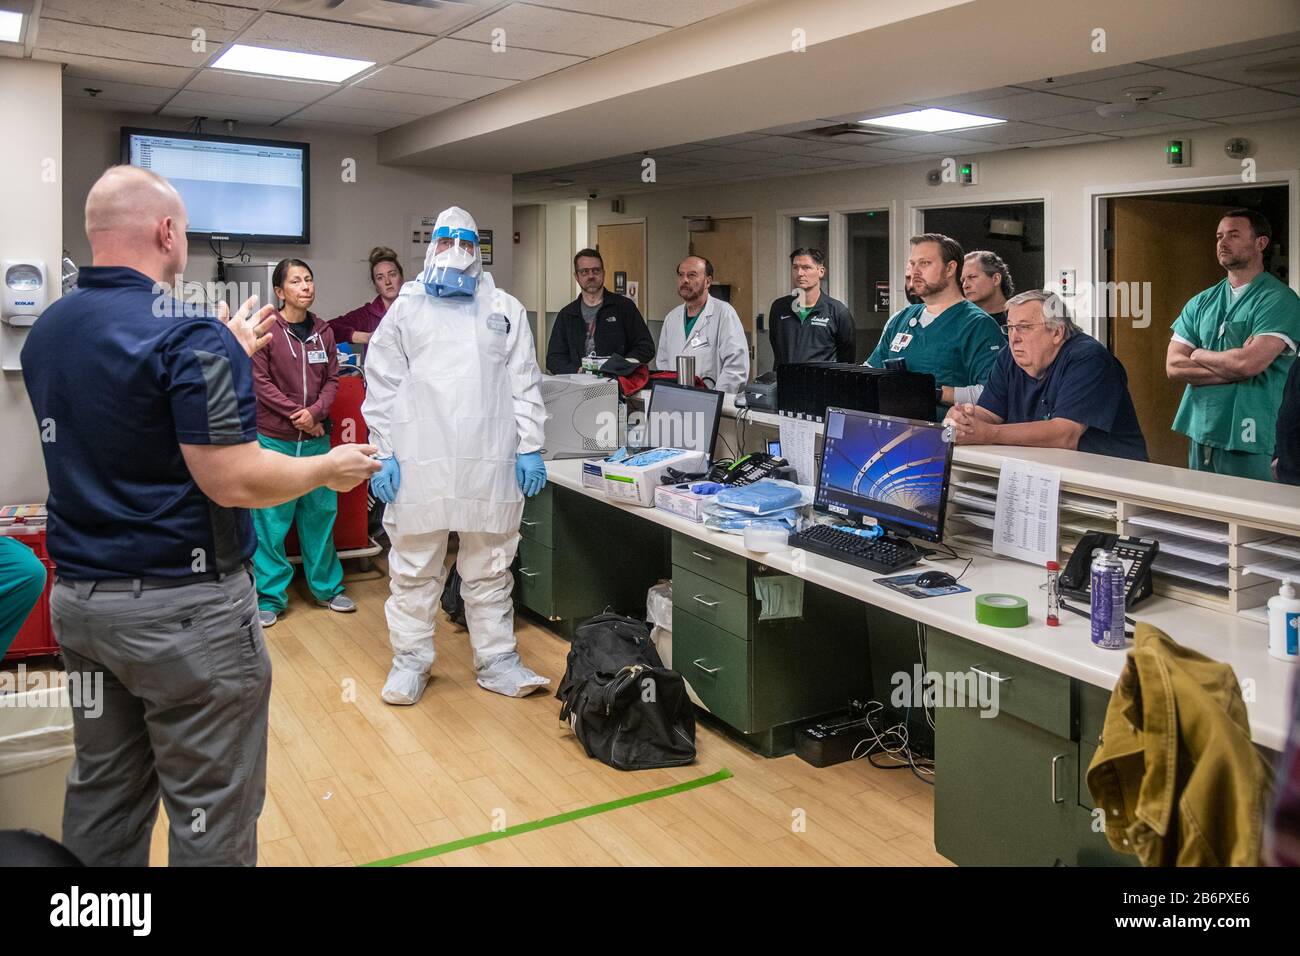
{"type": "Point", "coordinates": [744, 471]}
{"type": "Point", "coordinates": [1136, 553]}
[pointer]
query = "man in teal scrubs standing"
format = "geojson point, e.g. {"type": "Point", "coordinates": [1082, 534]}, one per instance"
{"type": "Point", "coordinates": [1233, 345]}
{"type": "Point", "coordinates": [943, 334]}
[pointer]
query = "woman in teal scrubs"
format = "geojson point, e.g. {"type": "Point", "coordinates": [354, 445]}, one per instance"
{"type": "Point", "coordinates": [22, 579]}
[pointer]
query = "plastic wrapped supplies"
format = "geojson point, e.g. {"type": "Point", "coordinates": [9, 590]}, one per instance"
{"type": "Point", "coordinates": [767, 496]}
{"type": "Point", "coordinates": [735, 522]}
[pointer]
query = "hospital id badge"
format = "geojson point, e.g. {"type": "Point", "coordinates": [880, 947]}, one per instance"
{"type": "Point", "coordinates": [901, 341]}
{"type": "Point", "coordinates": [317, 356]}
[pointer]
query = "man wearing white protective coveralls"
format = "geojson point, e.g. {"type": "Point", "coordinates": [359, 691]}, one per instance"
{"type": "Point", "coordinates": [454, 405]}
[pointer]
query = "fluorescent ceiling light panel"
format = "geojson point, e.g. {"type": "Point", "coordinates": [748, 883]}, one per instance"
{"type": "Point", "coordinates": [289, 63]}
{"type": "Point", "coordinates": [932, 120]}
{"type": "Point", "coordinates": [11, 26]}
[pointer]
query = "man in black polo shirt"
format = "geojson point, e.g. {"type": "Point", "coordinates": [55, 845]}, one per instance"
{"type": "Point", "coordinates": [810, 326]}
{"type": "Point", "coordinates": [598, 322]}
{"type": "Point", "coordinates": [148, 528]}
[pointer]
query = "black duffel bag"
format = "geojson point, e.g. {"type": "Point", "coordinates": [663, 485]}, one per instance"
{"type": "Point", "coordinates": [624, 706]}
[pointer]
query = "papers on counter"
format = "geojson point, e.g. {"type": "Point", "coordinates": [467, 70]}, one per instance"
{"type": "Point", "coordinates": [1027, 510]}
{"type": "Point", "coordinates": [1275, 568]}
{"type": "Point", "coordinates": [799, 447]}
{"type": "Point", "coordinates": [1176, 567]}
{"type": "Point", "coordinates": [1200, 528]}
{"type": "Point", "coordinates": [1281, 545]}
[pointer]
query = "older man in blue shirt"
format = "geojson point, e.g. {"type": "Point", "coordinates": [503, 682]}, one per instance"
{"type": "Point", "coordinates": [1052, 387]}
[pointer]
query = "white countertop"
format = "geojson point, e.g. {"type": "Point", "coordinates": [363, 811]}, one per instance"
{"type": "Point", "coordinates": [1261, 503]}
{"type": "Point", "coordinates": [1067, 649]}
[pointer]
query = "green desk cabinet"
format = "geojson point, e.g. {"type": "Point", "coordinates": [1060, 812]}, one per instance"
{"type": "Point", "coordinates": [762, 677]}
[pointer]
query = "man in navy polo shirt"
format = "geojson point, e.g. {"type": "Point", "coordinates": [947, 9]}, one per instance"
{"type": "Point", "coordinates": [1052, 387]}
{"type": "Point", "coordinates": [147, 419]}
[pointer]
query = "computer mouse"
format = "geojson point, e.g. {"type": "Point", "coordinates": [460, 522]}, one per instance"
{"type": "Point", "coordinates": [936, 579]}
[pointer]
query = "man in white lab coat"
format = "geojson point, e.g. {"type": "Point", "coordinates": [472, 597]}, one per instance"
{"type": "Point", "coordinates": [454, 406]}
{"type": "Point", "coordinates": [706, 328]}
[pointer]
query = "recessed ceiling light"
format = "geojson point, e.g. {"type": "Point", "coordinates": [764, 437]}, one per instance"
{"type": "Point", "coordinates": [289, 63]}
{"type": "Point", "coordinates": [932, 120]}
{"type": "Point", "coordinates": [11, 26]}
{"type": "Point", "coordinates": [814, 218]}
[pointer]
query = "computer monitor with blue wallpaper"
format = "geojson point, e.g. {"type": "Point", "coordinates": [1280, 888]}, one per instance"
{"type": "Point", "coordinates": [893, 470]}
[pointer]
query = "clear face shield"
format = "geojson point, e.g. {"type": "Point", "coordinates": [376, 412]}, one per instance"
{"type": "Point", "coordinates": [455, 262]}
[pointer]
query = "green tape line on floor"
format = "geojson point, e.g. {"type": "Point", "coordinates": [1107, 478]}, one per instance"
{"type": "Point", "coordinates": [454, 845]}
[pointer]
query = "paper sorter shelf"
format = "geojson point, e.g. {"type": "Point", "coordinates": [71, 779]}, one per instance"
{"type": "Point", "coordinates": [1082, 504]}
{"type": "Point", "coordinates": [974, 518]}
{"type": "Point", "coordinates": [1281, 545]}
{"type": "Point", "coordinates": [987, 505]}
{"type": "Point", "coordinates": [1193, 549]}
{"type": "Point", "coordinates": [1199, 528]}
{"type": "Point", "coordinates": [1175, 567]}
{"type": "Point", "coordinates": [985, 485]}
{"type": "Point", "coordinates": [1275, 568]}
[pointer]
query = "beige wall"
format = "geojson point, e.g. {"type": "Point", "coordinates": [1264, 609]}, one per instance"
{"type": "Point", "coordinates": [529, 253]}
{"type": "Point", "coordinates": [31, 101]}
{"type": "Point", "coordinates": [347, 218]}
{"type": "Point", "coordinates": [1060, 175]}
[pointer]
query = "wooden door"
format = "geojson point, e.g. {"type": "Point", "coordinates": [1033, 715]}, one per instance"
{"type": "Point", "coordinates": [1169, 246]}
{"type": "Point", "coordinates": [622, 248]}
{"type": "Point", "coordinates": [730, 247]}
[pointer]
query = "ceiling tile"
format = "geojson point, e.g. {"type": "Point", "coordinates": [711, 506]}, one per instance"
{"type": "Point", "coordinates": [1175, 84]}
{"type": "Point", "coordinates": [110, 106]}
{"type": "Point", "coordinates": [731, 140]}
{"type": "Point", "coordinates": [1228, 104]}
{"type": "Point", "coordinates": [1293, 87]}
{"type": "Point", "coordinates": [1090, 122]}
{"type": "Point", "coordinates": [478, 59]}
{"type": "Point", "coordinates": [796, 127]}
{"type": "Point", "coordinates": [259, 87]}
{"type": "Point", "coordinates": [928, 143]}
{"type": "Point", "coordinates": [1258, 69]}
{"type": "Point", "coordinates": [150, 96]}
{"type": "Point", "coordinates": [1267, 116]}
{"type": "Point", "coordinates": [324, 113]}
{"type": "Point", "coordinates": [1182, 126]}
{"type": "Point", "coordinates": [789, 145]}
{"type": "Point", "coordinates": [457, 86]}
{"type": "Point", "coordinates": [117, 44]}
{"type": "Point", "coordinates": [727, 154]}
{"type": "Point", "coordinates": [1026, 106]}
{"type": "Point", "coordinates": [958, 100]}
{"type": "Point", "coordinates": [801, 162]}
{"type": "Point", "coordinates": [234, 112]}
{"type": "Point", "coordinates": [672, 13]}
{"type": "Point", "coordinates": [1010, 134]}
{"type": "Point", "coordinates": [177, 18]}
{"type": "Point", "coordinates": [358, 97]}
{"type": "Point", "coordinates": [408, 17]}
{"type": "Point", "coordinates": [1051, 84]}
{"type": "Point", "coordinates": [121, 71]}
{"type": "Point", "coordinates": [332, 39]}
{"type": "Point", "coordinates": [351, 129]}
{"type": "Point", "coordinates": [1231, 50]}
{"type": "Point", "coordinates": [218, 107]}
{"type": "Point", "coordinates": [1069, 140]}
{"type": "Point", "coordinates": [558, 31]}
{"type": "Point", "coordinates": [858, 154]}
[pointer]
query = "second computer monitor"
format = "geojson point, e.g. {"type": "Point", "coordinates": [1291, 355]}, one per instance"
{"type": "Point", "coordinates": [681, 417]}
{"type": "Point", "coordinates": [894, 470]}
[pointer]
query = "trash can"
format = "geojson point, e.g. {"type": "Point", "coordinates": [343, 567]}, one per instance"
{"type": "Point", "coordinates": [659, 613]}
{"type": "Point", "coordinates": [36, 751]}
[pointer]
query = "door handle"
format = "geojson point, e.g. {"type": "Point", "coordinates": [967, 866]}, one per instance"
{"type": "Point", "coordinates": [707, 670]}
{"type": "Point", "coordinates": [703, 557]}
{"type": "Point", "coordinates": [994, 677]}
{"type": "Point", "coordinates": [1055, 798]}
{"type": "Point", "coordinates": [528, 574]}
{"type": "Point", "coordinates": [708, 604]}
{"type": "Point", "coordinates": [531, 524]}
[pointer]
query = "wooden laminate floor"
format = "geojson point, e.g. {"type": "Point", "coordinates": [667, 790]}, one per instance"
{"type": "Point", "coordinates": [351, 780]}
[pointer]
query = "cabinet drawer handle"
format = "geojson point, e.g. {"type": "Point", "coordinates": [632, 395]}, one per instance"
{"type": "Point", "coordinates": [707, 670]}
{"type": "Point", "coordinates": [1055, 798]}
{"type": "Point", "coordinates": [528, 574]}
{"type": "Point", "coordinates": [708, 604]}
{"type": "Point", "coordinates": [997, 677]}
{"type": "Point", "coordinates": [531, 524]}
{"type": "Point", "coordinates": [703, 557]}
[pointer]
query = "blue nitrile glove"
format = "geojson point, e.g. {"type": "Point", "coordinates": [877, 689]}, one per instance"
{"type": "Point", "coordinates": [530, 472]}
{"type": "Point", "coordinates": [384, 483]}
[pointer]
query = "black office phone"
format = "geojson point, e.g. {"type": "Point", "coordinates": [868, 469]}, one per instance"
{"type": "Point", "coordinates": [749, 469]}
{"type": "Point", "coordinates": [1136, 553]}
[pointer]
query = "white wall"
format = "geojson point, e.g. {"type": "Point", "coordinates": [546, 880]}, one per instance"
{"type": "Point", "coordinates": [31, 200]}
{"type": "Point", "coordinates": [529, 256]}
{"type": "Point", "coordinates": [1059, 175]}
{"type": "Point", "coordinates": [562, 242]}
{"type": "Point", "coordinates": [347, 218]}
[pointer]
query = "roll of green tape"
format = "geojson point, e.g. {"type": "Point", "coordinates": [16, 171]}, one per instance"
{"type": "Point", "coordinates": [1001, 610]}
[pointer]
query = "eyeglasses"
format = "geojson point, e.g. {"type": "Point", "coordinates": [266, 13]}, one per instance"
{"type": "Point", "coordinates": [591, 272]}
{"type": "Point", "coordinates": [1021, 328]}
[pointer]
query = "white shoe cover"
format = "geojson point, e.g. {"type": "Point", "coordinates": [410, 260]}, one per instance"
{"type": "Point", "coordinates": [403, 686]}
{"type": "Point", "coordinates": [507, 675]}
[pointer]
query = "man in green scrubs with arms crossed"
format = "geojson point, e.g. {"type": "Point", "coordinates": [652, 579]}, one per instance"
{"type": "Point", "coordinates": [1233, 345]}
{"type": "Point", "coordinates": [943, 334]}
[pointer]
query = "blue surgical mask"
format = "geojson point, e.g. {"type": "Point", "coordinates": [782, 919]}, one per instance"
{"type": "Point", "coordinates": [451, 282]}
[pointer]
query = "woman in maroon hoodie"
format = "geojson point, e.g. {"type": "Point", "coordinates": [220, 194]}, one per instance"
{"type": "Point", "coordinates": [357, 326]}
{"type": "Point", "coordinates": [295, 378]}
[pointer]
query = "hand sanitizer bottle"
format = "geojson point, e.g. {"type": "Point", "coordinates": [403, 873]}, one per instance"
{"type": "Point", "coordinates": [1284, 624]}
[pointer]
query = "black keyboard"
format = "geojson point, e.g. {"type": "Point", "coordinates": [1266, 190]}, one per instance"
{"type": "Point", "coordinates": [879, 554]}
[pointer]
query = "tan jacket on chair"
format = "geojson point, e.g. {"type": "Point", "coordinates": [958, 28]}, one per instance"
{"type": "Point", "coordinates": [1176, 773]}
